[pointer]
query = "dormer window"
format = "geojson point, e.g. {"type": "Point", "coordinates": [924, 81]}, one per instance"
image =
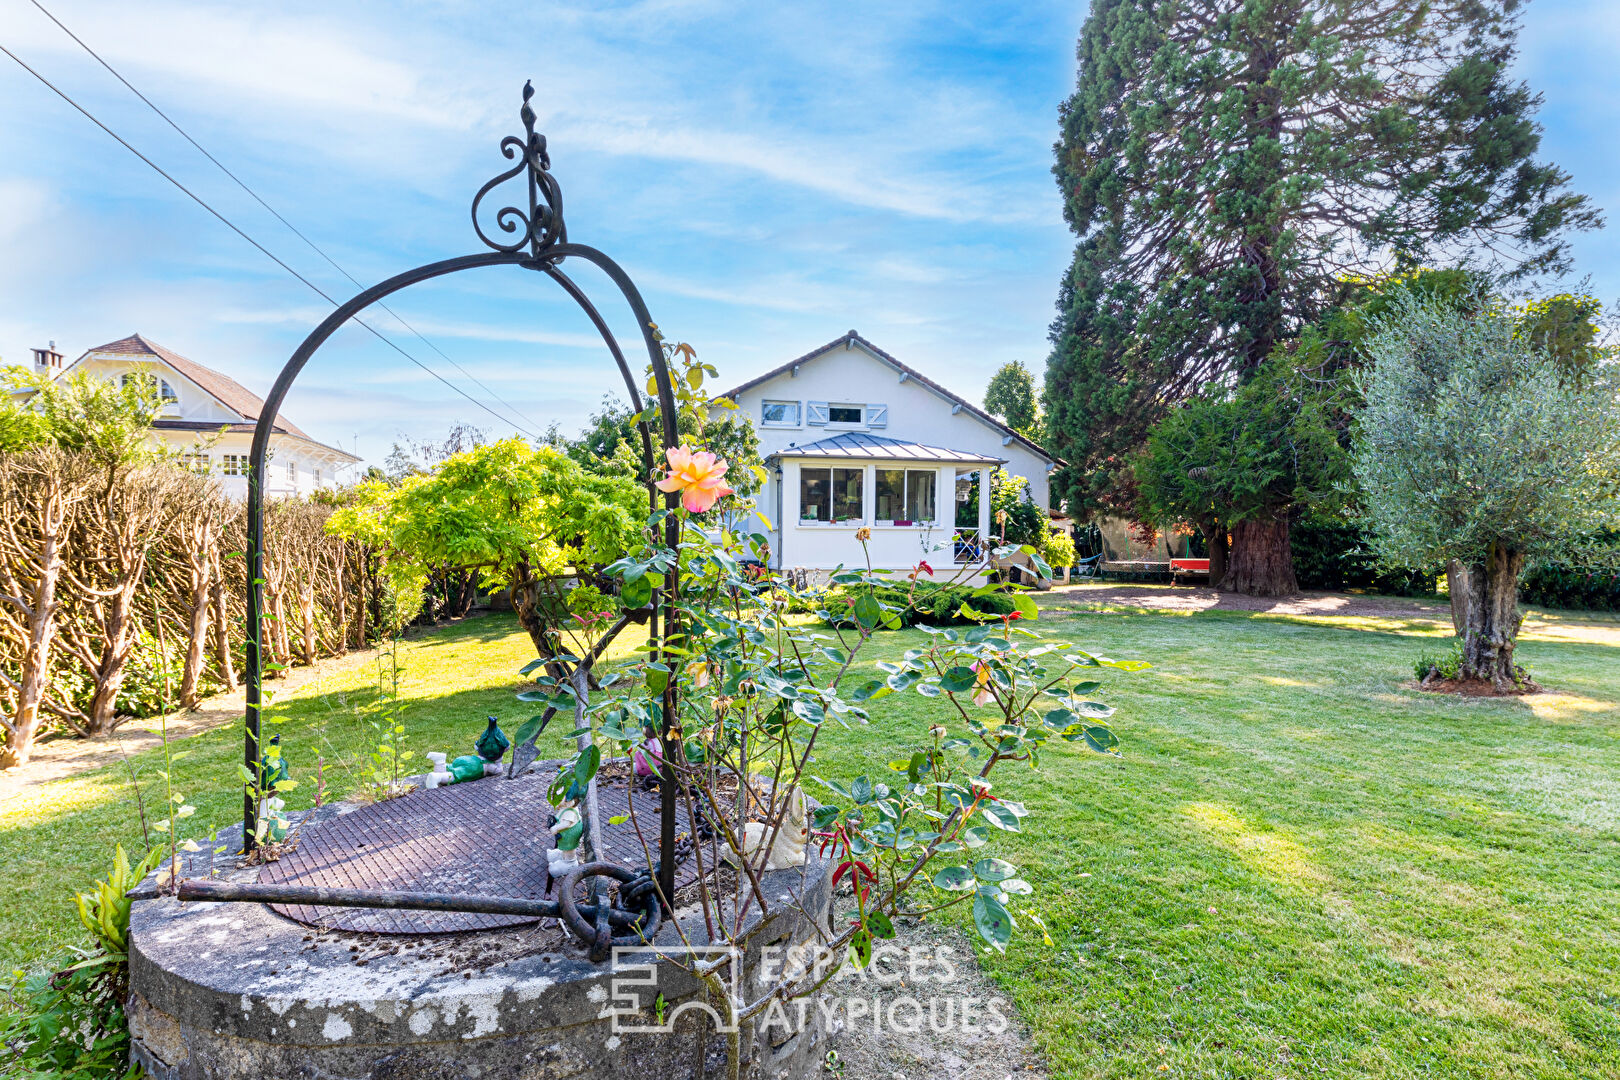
{"type": "Point", "coordinates": [849, 415]}
{"type": "Point", "coordinates": [779, 413]}
{"type": "Point", "coordinates": [165, 392]}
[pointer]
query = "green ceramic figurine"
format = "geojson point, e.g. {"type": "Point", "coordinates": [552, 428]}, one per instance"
{"type": "Point", "coordinates": [272, 766]}
{"type": "Point", "coordinates": [493, 743]}
{"type": "Point", "coordinates": [466, 767]}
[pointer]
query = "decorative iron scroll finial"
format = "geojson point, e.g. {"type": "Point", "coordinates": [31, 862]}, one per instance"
{"type": "Point", "coordinates": [542, 225]}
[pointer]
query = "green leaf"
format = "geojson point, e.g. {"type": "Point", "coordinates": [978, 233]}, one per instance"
{"type": "Point", "coordinates": [994, 870]}
{"type": "Point", "coordinates": [992, 921]}
{"type": "Point", "coordinates": [861, 945]}
{"type": "Point", "coordinates": [1101, 739]}
{"type": "Point", "coordinates": [871, 690]}
{"type": "Point", "coordinates": [861, 790]}
{"type": "Point", "coordinates": [1025, 606]}
{"type": "Point", "coordinates": [880, 924]}
{"type": "Point", "coordinates": [586, 765]}
{"type": "Point", "coordinates": [954, 878]}
{"type": "Point", "coordinates": [999, 816]}
{"type": "Point", "coordinates": [959, 679]}
{"type": "Point", "coordinates": [636, 593]}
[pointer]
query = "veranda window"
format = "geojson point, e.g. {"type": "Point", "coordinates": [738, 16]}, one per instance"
{"type": "Point", "coordinates": [904, 496]}
{"type": "Point", "coordinates": [815, 491]}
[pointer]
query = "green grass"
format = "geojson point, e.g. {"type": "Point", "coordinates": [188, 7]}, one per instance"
{"type": "Point", "coordinates": [1299, 868]}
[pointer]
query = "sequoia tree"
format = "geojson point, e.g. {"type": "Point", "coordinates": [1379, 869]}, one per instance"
{"type": "Point", "coordinates": [1230, 166]}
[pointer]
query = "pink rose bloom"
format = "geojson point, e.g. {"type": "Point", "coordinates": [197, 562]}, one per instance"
{"type": "Point", "coordinates": [699, 477]}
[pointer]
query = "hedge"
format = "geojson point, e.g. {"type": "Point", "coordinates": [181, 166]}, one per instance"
{"type": "Point", "coordinates": [1332, 555]}
{"type": "Point", "coordinates": [934, 604]}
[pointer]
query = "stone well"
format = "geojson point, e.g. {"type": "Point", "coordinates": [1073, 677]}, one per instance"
{"type": "Point", "coordinates": [237, 992]}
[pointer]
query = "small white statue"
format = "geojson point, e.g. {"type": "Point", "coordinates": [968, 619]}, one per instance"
{"type": "Point", "coordinates": [565, 856]}
{"type": "Point", "coordinates": [791, 839]}
{"type": "Point", "coordinates": [440, 776]}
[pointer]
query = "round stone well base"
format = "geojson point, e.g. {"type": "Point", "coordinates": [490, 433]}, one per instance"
{"type": "Point", "coordinates": [237, 992]}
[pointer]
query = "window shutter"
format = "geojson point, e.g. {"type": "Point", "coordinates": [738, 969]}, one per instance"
{"type": "Point", "coordinates": [816, 413]}
{"type": "Point", "coordinates": [877, 416]}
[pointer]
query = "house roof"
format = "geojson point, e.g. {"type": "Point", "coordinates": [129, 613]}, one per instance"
{"type": "Point", "coordinates": [854, 338]}
{"type": "Point", "coordinates": [857, 444]}
{"type": "Point", "coordinates": [224, 389]}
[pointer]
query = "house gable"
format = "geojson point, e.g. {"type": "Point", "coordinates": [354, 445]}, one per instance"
{"type": "Point", "coordinates": [815, 412]}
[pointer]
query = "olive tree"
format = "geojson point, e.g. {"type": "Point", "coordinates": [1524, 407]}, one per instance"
{"type": "Point", "coordinates": [1470, 447]}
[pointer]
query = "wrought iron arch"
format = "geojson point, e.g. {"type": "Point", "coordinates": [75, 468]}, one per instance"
{"type": "Point", "coordinates": [537, 241]}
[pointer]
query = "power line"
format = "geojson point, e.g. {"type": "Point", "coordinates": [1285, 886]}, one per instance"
{"type": "Point", "coordinates": [264, 250]}
{"type": "Point", "coordinates": [273, 211]}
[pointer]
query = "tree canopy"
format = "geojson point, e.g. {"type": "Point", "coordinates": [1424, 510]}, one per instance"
{"type": "Point", "coordinates": [1011, 397]}
{"type": "Point", "coordinates": [519, 516]}
{"type": "Point", "coordinates": [1470, 438]}
{"type": "Point", "coordinates": [1232, 169]}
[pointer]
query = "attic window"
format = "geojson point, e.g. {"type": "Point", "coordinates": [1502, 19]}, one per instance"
{"type": "Point", "coordinates": [779, 413]}
{"type": "Point", "coordinates": [165, 391]}
{"type": "Point", "coordinates": [846, 414]}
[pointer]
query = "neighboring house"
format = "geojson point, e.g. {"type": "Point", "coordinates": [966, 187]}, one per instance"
{"type": "Point", "coordinates": [208, 418]}
{"type": "Point", "coordinates": [852, 437]}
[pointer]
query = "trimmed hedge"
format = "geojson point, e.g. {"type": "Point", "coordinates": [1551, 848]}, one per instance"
{"type": "Point", "coordinates": [1333, 555]}
{"type": "Point", "coordinates": [1559, 585]}
{"type": "Point", "coordinates": [934, 604]}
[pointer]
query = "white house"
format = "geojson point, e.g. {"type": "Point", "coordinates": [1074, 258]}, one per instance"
{"type": "Point", "coordinates": [852, 437]}
{"type": "Point", "coordinates": [208, 417]}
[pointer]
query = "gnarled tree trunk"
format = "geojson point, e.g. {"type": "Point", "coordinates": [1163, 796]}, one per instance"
{"type": "Point", "coordinates": [38, 494]}
{"type": "Point", "coordinates": [1493, 618]}
{"type": "Point", "coordinates": [1262, 560]}
{"type": "Point", "coordinates": [1457, 588]}
{"type": "Point", "coordinates": [222, 626]}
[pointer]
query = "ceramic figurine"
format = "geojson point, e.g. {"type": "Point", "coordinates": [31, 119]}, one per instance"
{"type": "Point", "coordinates": [649, 758]}
{"type": "Point", "coordinates": [493, 744]}
{"type": "Point", "coordinates": [275, 820]}
{"type": "Point", "coordinates": [791, 839]}
{"type": "Point", "coordinates": [568, 830]}
{"type": "Point", "coordinates": [273, 768]}
{"type": "Point", "coordinates": [466, 767]}
{"type": "Point", "coordinates": [440, 775]}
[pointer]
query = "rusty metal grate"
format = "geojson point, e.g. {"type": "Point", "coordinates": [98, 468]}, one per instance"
{"type": "Point", "coordinates": [484, 838]}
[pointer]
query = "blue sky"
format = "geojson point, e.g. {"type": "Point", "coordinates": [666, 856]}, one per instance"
{"type": "Point", "coordinates": [771, 175]}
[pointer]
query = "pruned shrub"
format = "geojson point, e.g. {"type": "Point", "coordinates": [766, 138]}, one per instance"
{"type": "Point", "coordinates": [926, 602]}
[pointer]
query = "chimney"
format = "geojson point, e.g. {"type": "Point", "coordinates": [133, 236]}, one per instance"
{"type": "Point", "coordinates": [47, 361]}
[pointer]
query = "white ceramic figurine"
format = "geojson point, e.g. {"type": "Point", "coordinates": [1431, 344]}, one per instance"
{"type": "Point", "coordinates": [791, 839]}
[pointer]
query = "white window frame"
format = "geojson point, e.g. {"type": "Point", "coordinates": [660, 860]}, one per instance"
{"type": "Point", "coordinates": [832, 472]}
{"type": "Point", "coordinates": [907, 472]}
{"type": "Point", "coordinates": [292, 472]}
{"type": "Point", "coordinates": [860, 406]}
{"type": "Point", "coordinates": [798, 413]}
{"type": "Point", "coordinates": [233, 465]}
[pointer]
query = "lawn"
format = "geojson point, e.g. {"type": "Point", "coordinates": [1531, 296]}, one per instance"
{"type": "Point", "coordinates": [1299, 868]}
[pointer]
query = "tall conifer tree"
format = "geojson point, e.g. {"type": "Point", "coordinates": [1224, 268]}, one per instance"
{"type": "Point", "coordinates": [1230, 166]}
